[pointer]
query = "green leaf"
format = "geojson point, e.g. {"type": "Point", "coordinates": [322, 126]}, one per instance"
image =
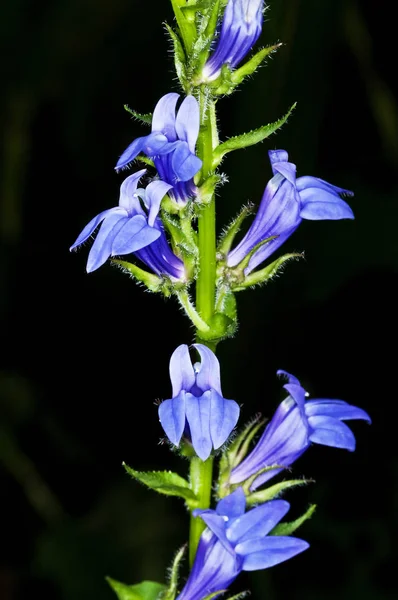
{"type": "Point", "coordinates": [146, 590]}
{"type": "Point", "coordinates": [151, 281]}
{"type": "Point", "coordinates": [289, 528]}
{"type": "Point", "coordinates": [248, 139]}
{"type": "Point", "coordinates": [179, 56]}
{"type": "Point", "coordinates": [164, 482]}
{"type": "Point", "coordinates": [144, 118]}
{"type": "Point", "coordinates": [274, 491]}
{"type": "Point", "coordinates": [264, 275]}
{"type": "Point", "coordinates": [172, 589]}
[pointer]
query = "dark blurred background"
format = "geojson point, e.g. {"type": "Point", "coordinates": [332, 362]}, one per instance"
{"type": "Point", "coordinates": [84, 357]}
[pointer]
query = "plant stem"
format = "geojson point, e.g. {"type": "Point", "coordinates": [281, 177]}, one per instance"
{"type": "Point", "coordinates": [201, 472]}
{"type": "Point", "coordinates": [201, 477]}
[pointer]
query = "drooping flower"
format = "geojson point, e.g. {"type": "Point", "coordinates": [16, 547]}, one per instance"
{"type": "Point", "coordinates": [197, 409]}
{"type": "Point", "coordinates": [235, 541]}
{"type": "Point", "coordinates": [129, 228]}
{"type": "Point", "coordinates": [240, 29]}
{"type": "Point", "coordinates": [296, 424]}
{"type": "Point", "coordinates": [171, 145]}
{"type": "Point", "coordinates": [285, 203]}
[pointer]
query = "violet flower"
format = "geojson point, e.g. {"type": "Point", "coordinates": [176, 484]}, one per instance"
{"type": "Point", "coordinates": [197, 409]}
{"type": "Point", "coordinates": [235, 541]}
{"type": "Point", "coordinates": [285, 203]}
{"type": "Point", "coordinates": [240, 29]}
{"type": "Point", "coordinates": [295, 425]}
{"type": "Point", "coordinates": [171, 145]}
{"type": "Point", "coordinates": [128, 228]}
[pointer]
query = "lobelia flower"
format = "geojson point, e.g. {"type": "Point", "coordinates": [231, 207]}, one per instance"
{"type": "Point", "coordinates": [171, 145]}
{"type": "Point", "coordinates": [295, 424]}
{"type": "Point", "coordinates": [236, 541]}
{"type": "Point", "coordinates": [240, 29]}
{"type": "Point", "coordinates": [197, 409]}
{"type": "Point", "coordinates": [129, 228]}
{"type": "Point", "coordinates": [285, 203]}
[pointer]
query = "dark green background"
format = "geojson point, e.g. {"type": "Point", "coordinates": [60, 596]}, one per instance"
{"type": "Point", "coordinates": [84, 357]}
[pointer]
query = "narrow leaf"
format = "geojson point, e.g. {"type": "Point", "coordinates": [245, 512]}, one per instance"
{"type": "Point", "coordinates": [144, 118]}
{"type": "Point", "coordinates": [179, 56]}
{"type": "Point", "coordinates": [164, 482]}
{"type": "Point", "coordinates": [248, 139]}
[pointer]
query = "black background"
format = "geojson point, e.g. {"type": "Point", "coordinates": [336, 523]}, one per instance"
{"type": "Point", "coordinates": [85, 357]}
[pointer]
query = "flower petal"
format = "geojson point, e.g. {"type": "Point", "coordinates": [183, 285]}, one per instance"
{"type": "Point", "coordinates": [93, 224]}
{"type": "Point", "coordinates": [258, 522]}
{"type": "Point", "coordinates": [127, 198]}
{"type": "Point", "coordinates": [134, 235]}
{"type": "Point", "coordinates": [154, 195]}
{"type": "Point", "coordinates": [172, 417]}
{"type": "Point", "coordinates": [208, 376]}
{"type": "Point", "coordinates": [102, 247]}
{"type": "Point", "coordinates": [270, 551]}
{"type": "Point", "coordinates": [224, 415]}
{"type": "Point", "coordinates": [325, 207]}
{"type": "Point", "coordinates": [187, 122]}
{"type": "Point", "coordinates": [182, 374]}
{"type": "Point", "coordinates": [216, 524]}
{"type": "Point", "coordinates": [185, 164]}
{"type": "Point", "coordinates": [233, 505]}
{"type": "Point", "coordinates": [163, 118]}
{"type": "Point", "coordinates": [331, 432]}
{"type": "Point", "coordinates": [335, 408]}
{"type": "Point", "coordinates": [197, 411]}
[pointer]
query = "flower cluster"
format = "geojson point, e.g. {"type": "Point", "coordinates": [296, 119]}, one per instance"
{"type": "Point", "coordinates": [168, 225]}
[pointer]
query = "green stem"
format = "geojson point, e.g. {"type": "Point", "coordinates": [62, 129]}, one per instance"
{"type": "Point", "coordinates": [201, 472]}
{"type": "Point", "coordinates": [206, 281]}
{"type": "Point", "coordinates": [201, 477]}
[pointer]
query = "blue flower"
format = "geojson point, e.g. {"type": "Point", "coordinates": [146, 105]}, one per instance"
{"type": "Point", "coordinates": [129, 228]}
{"type": "Point", "coordinates": [235, 541]}
{"type": "Point", "coordinates": [171, 145]}
{"type": "Point", "coordinates": [197, 408]}
{"type": "Point", "coordinates": [285, 203]}
{"type": "Point", "coordinates": [240, 29]}
{"type": "Point", "coordinates": [295, 424]}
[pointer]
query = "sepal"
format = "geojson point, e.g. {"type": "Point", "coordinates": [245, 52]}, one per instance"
{"type": "Point", "coordinates": [264, 275]}
{"type": "Point", "coordinates": [229, 233]}
{"type": "Point", "coordinates": [171, 592]}
{"type": "Point", "coordinates": [154, 283]}
{"type": "Point", "coordinates": [273, 491]}
{"type": "Point", "coordinates": [248, 139]}
{"type": "Point", "coordinates": [146, 590]}
{"type": "Point", "coordinates": [235, 453]}
{"type": "Point", "coordinates": [288, 528]}
{"type": "Point", "coordinates": [252, 65]}
{"type": "Point", "coordinates": [186, 23]}
{"type": "Point", "coordinates": [165, 482]}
